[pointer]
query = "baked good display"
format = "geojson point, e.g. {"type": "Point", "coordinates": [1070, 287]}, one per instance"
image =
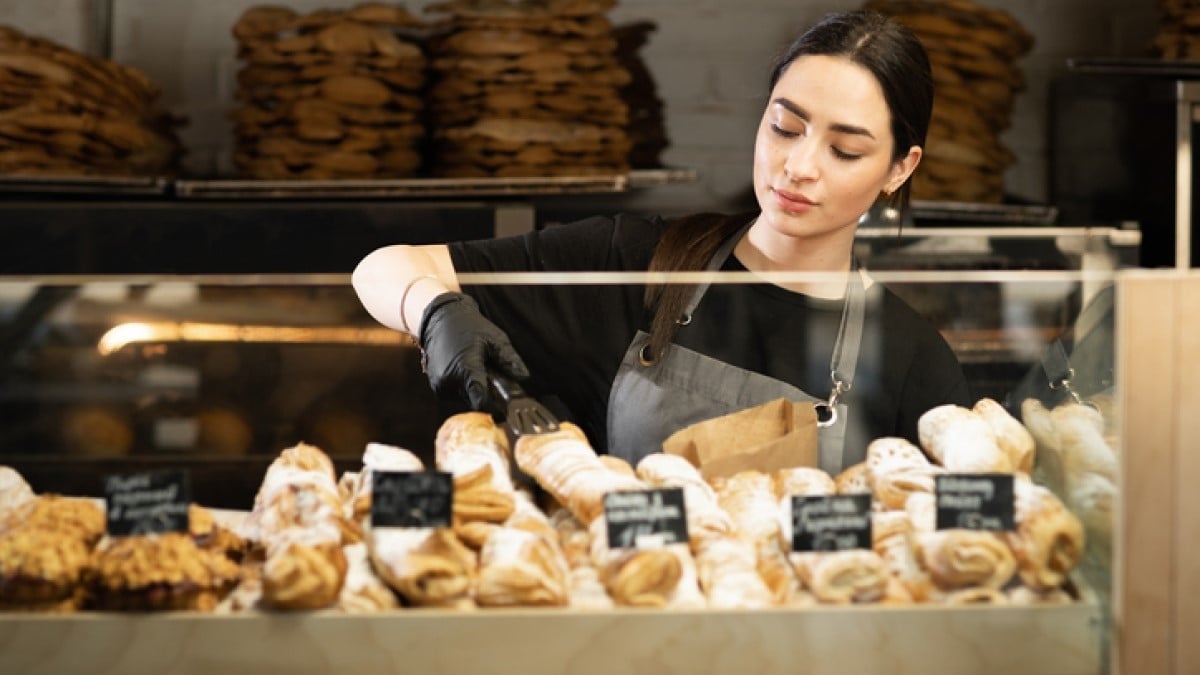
{"type": "Point", "coordinates": [331, 94]}
{"type": "Point", "coordinates": [526, 88]}
{"type": "Point", "coordinates": [64, 113]}
{"type": "Point", "coordinates": [158, 572]}
{"type": "Point", "coordinates": [307, 543]}
{"type": "Point", "coordinates": [974, 52]}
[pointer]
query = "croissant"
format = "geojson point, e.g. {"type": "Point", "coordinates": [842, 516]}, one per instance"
{"type": "Point", "coordinates": [1014, 439]}
{"type": "Point", "coordinates": [1048, 542]}
{"type": "Point", "coordinates": [476, 496]}
{"type": "Point", "coordinates": [567, 467]}
{"type": "Point", "coordinates": [961, 441]}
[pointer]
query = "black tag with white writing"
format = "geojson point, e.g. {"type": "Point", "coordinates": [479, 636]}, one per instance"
{"type": "Point", "coordinates": [975, 501]}
{"type": "Point", "coordinates": [411, 499]}
{"type": "Point", "coordinates": [831, 523]}
{"type": "Point", "coordinates": [645, 518]}
{"type": "Point", "coordinates": [147, 503]}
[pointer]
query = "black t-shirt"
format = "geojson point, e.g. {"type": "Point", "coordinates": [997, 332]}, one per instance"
{"type": "Point", "coordinates": [573, 337]}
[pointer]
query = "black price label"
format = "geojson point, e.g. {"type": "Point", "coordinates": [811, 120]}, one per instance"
{"type": "Point", "coordinates": [975, 501]}
{"type": "Point", "coordinates": [147, 503]}
{"type": "Point", "coordinates": [412, 499]}
{"type": "Point", "coordinates": [831, 523]}
{"type": "Point", "coordinates": [645, 518]}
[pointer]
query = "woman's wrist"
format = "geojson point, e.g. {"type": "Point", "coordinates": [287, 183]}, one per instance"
{"type": "Point", "coordinates": [418, 299]}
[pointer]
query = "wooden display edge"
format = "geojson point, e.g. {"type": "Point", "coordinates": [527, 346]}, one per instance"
{"type": "Point", "coordinates": [929, 640]}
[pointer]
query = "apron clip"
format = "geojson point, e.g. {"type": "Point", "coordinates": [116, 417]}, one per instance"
{"type": "Point", "coordinates": [830, 416]}
{"type": "Point", "coordinates": [1064, 384]}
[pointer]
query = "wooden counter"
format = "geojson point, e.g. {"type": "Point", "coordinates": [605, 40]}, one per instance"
{"type": "Point", "coordinates": [1049, 640]}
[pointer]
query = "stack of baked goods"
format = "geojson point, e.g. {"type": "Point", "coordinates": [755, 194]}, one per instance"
{"type": "Point", "coordinates": [527, 88]}
{"type": "Point", "coordinates": [66, 113]}
{"type": "Point", "coordinates": [1178, 37]}
{"type": "Point", "coordinates": [332, 94]}
{"type": "Point", "coordinates": [55, 557]}
{"type": "Point", "coordinates": [973, 51]}
{"type": "Point", "coordinates": [647, 125]}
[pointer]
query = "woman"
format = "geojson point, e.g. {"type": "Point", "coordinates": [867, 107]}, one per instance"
{"type": "Point", "coordinates": [849, 107]}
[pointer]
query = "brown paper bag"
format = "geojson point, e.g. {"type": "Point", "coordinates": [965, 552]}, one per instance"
{"type": "Point", "coordinates": [776, 435]}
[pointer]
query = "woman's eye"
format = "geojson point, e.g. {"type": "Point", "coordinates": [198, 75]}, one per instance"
{"type": "Point", "coordinates": [844, 155]}
{"type": "Point", "coordinates": [784, 132]}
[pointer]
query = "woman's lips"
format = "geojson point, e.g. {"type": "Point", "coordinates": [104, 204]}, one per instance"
{"type": "Point", "coordinates": [792, 201]}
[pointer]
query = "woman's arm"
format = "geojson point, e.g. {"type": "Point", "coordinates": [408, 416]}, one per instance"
{"type": "Point", "coordinates": [412, 275]}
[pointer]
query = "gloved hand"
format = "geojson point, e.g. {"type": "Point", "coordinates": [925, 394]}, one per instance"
{"type": "Point", "coordinates": [459, 345]}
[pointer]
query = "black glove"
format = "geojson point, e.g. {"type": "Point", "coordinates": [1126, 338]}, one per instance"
{"type": "Point", "coordinates": [460, 345]}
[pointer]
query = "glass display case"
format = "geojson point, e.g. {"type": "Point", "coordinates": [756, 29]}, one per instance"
{"type": "Point", "coordinates": [217, 375]}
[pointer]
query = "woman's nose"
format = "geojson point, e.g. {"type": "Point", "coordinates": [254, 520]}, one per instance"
{"type": "Point", "coordinates": [801, 161]}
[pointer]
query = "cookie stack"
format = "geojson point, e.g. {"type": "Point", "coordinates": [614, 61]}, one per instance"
{"type": "Point", "coordinates": [333, 94]}
{"type": "Point", "coordinates": [647, 126]}
{"type": "Point", "coordinates": [973, 51]}
{"type": "Point", "coordinates": [1179, 36]}
{"type": "Point", "coordinates": [64, 113]}
{"type": "Point", "coordinates": [527, 88]}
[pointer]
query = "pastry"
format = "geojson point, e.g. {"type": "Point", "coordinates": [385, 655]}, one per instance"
{"type": "Point", "coordinates": [70, 516]}
{"type": "Point", "coordinates": [428, 567]}
{"type": "Point", "coordinates": [842, 577]}
{"type": "Point", "coordinates": [377, 457]}
{"type": "Point", "coordinates": [14, 491]}
{"type": "Point", "coordinates": [210, 535]}
{"type": "Point", "coordinates": [961, 441]}
{"type": "Point", "coordinates": [303, 574]}
{"type": "Point", "coordinates": [853, 480]}
{"type": "Point", "coordinates": [892, 538]}
{"type": "Point", "coordinates": [41, 570]}
{"type": "Point", "coordinates": [802, 481]}
{"type": "Point", "coordinates": [1014, 439]}
{"type": "Point", "coordinates": [897, 468]}
{"type": "Point", "coordinates": [957, 559]}
{"type": "Point", "coordinates": [727, 569]}
{"type": "Point", "coordinates": [567, 467]}
{"type": "Point", "coordinates": [158, 572]}
{"type": "Point", "coordinates": [705, 518]}
{"type": "Point", "coordinates": [520, 568]}
{"type": "Point", "coordinates": [634, 577]}
{"type": "Point", "coordinates": [363, 591]}
{"type": "Point", "coordinates": [1048, 542]}
{"type": "Point", "coordinates": [749, 499]}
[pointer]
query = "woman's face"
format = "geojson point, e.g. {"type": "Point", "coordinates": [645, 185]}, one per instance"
{"type": "Point", "coordinates": [823, 152]}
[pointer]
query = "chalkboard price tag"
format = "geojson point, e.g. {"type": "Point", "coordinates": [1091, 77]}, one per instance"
{"type": "Point", "coordinates": [975, 501]}
{"type": "Point", "coordinates": [831, 523]}
{"type": "Point", "coordinates": [412, 499]}
{"type": "Point", "coordinates": [645, 518]}
{"type": "Point", "coordinates": [152, 502]}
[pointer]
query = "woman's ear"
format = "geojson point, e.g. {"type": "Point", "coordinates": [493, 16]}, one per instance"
{"type": "Point", "coordinates": [903, 168]}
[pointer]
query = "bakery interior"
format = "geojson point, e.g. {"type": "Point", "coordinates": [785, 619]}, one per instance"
{"type": "Point", "coordinates": [185, 188]}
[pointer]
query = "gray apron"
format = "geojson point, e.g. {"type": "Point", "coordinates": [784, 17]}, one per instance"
{"type": "Point", "coordinates": [650, 400]}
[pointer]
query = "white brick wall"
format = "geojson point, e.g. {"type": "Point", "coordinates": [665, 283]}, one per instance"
{"type": "Point", "coordinates": [710, 58]}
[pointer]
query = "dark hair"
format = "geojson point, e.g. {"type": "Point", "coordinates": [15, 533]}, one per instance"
{"type": "Point", "coordinates": [893, 55]}
{"type": "Point", "coordinates": [899, 63]}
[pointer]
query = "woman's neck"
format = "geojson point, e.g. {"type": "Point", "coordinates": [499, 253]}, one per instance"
{"type": "Point", "coordinates": [764, 249]}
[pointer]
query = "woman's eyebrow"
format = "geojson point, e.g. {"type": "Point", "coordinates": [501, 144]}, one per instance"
{"type": "Point", "coordinates": [837, 126]}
